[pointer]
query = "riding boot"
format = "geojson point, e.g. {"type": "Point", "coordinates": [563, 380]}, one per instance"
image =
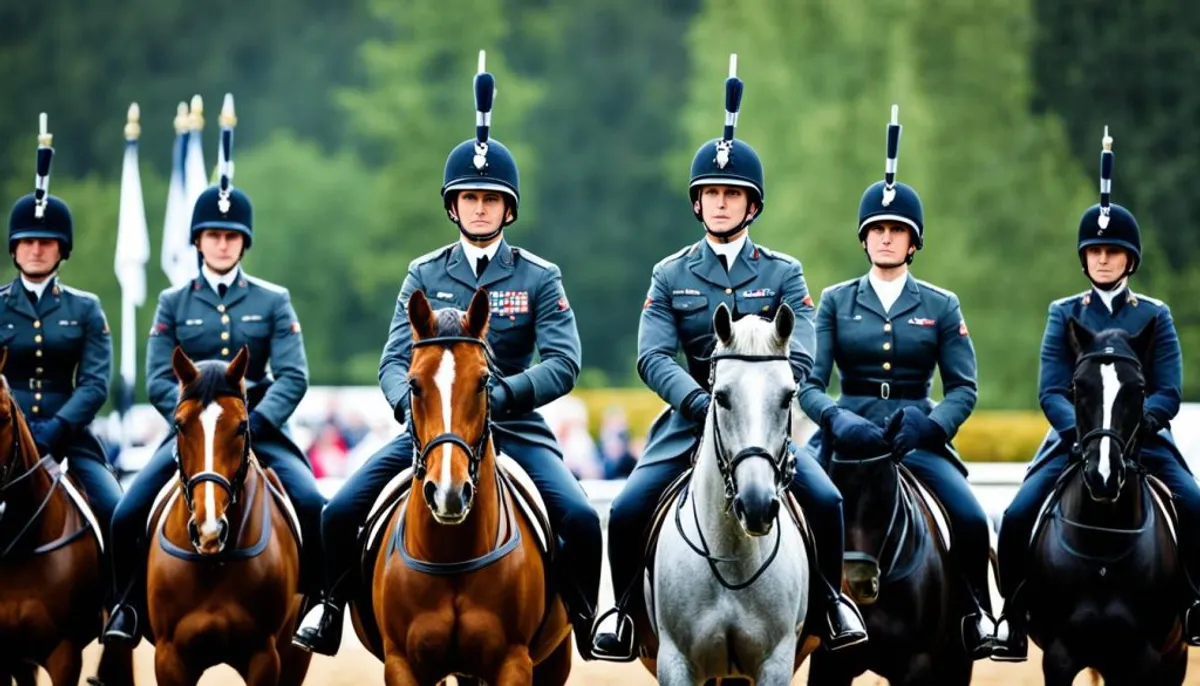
{"type": "Point", "coordinates": [978, 626]}
{"type": "Point", "coordinates": [1010, 644]}
{"type": "Point", "coordinates": [583, 618]}
{"type": "Point", "coordinates": [845, 626]}
{"type": "Point", "coordinates": [619, 645]}
{"type": "Point", "coordinates": [321, 629]}
{"type": "Point", "coordinates": [126, 591]}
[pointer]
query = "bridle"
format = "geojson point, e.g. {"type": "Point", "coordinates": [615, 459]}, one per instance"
{"type": "Point", "coordinates": [474, 452]}
{"type": "Point", "coordinates": [231, 486]}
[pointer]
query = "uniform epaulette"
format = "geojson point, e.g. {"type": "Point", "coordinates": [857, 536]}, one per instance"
{"type": "Point", "coordinates": [776, 255]}
{"type": "Point", "coordinates": [265, 285]}
{"type": "Point", "coordinates": [676, 255]}
{"type": "Point", "coordinates": [522, 254]}
{"type": "Point", "coordinates": [4, 290]}
{"type": "Point", "coordinates": [1138, 297]}
{"type": "Point", "coordinates": [1067, 300]}
{"type": "Point", "coordinates": [839, 286]}
{"type": "Point", "coordinates": [936, 289]}
{"type": "Point", "coordinates": [79, 293]}
{"type": "Point", "coordinates": [430, 256]}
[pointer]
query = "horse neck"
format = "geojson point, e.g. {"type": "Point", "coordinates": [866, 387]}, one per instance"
{"type": "Point", "coordinates": [23, 499]}
{"type": "Point", "coordinates": [429, 540]}
{"type": "Point", "coordinates": [714, 516]}
{"type": "Point", "coordinates": [871, 499]}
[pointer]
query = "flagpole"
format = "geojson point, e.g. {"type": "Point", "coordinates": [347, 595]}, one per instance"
{"type": "Point", "coordinates": [129, 263]}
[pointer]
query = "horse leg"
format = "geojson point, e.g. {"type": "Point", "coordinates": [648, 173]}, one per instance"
{"type": "Point", "coordinates": [398, 671]}
{"type": "Point", "coordinates": [64, 664]}
{"type": "Point", "coordinates": [116, 667]}
{"type": "Point", "coordinates": [170, 668]}
{"type": "Point", "coordinates": [673, 666]}
{"type": "Point", "coordinates": [1058, 668]}
{"type": "Point", "coordinates": [554, 669]}
{"type": "Point", "coordinates": [826, 669]}
{"type": "Point", "coordinates": [264, 666]}
{"type": "Point", "coordinates": [293, 664]}
{"type": "Point", "coordinates": [516, 669]}
{"type": "Point", "coordinates": [776, 669]}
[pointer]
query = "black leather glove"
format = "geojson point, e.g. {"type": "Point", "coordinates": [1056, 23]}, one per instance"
{"type": "Point", "coordinates": [48, 434]}
{"type": "Point", "coordinates": [1151, 424]}
{"type": "Point", "coordinates": [499, 398]}
{"type": "Point", "coordinates": [695, 406]}
{"type": "Point", "coordinates": [850, 434]}
{"type": "Point", "coordinates": [259, 426]}
{"type": "Point", "coordinates": [911, 428]}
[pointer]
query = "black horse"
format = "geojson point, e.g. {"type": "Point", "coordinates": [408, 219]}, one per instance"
{"type": "Point", "coordinates": [899, 572]}
{"type": "Point", "coordinates": [1104, 571]}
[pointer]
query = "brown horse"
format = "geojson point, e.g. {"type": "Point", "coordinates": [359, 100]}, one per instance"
{"type": "Point", "coordinates": [222, 585]}
{"type": "Point", "coordinates": [461, 588]}
{"type": "Point", "coordinates": [51, 584]}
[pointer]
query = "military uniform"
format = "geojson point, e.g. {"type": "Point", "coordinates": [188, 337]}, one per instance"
{"type": "Point", "coordinates": [210, 325]}
{"type": "Point", "coordinates": [59, 350]}
{"type": "Point", "coordinates": [685, 291]}
{"type": "Point", "coordinates": [529, 312]}
{"type": "Point", "coordinates": [1104, 224]}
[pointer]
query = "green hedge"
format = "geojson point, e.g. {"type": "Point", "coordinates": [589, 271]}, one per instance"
{"type": "Point", "coordinates": [988, 436]}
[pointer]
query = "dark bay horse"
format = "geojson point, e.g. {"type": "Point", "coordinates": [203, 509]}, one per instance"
{"type": "Point", "coordinates": [462, 587]}
{"type": "Point", "coordinates": [1104, 572]}
{"type": "Point", "coordinates": [901, 576]}
{"type": "Point", "coordinates": [51, 583]}
{"type": "Point", "coordinates": [222, 584]}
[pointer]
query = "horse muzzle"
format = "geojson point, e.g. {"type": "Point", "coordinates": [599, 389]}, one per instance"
{"type": "Point", "coordinates": [209, 538]}
{"type": "Point", "coordinates": [756, 509]}
{"type": "Point", "coordinates": [449, 504]}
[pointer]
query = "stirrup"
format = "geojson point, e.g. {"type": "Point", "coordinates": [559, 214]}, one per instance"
{"type": "Point", "coordinates": [624, 626]}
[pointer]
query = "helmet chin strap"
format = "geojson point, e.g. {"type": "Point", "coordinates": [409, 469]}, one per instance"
{"type": "Point", "coordinates": [476, 238]}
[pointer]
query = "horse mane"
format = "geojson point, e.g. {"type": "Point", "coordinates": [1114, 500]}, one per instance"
{"type": "Point", "coordinates": [449, 321]}
{"type": "Point", "coordinates": [1113, 341]}
{"type": "Point", "coordinates": [211, 383]}
{"type": "Point", "coordinates": [753, 335]}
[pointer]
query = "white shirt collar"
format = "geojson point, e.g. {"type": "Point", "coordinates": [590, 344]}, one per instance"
{"type": "Point", "coordinates": [38, 288]}
{"type": "Point", "coordinates": [887, 291]}
{"type": "Point", "coordinates": [730, 250]}
{"type": "Point", "coordinates": [473, 252]}
{"type": "Point", "coordinates": [1107, 297]}
{"type": "Point", "coordinates": [214, 279]}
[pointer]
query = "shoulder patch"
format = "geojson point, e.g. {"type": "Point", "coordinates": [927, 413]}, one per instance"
{"type": "Point", "coordinates": [522, 254]}
{"type": "Point", "coordinates": [430, 256]}
{"type": "Point", "coordinates": [265, 285]}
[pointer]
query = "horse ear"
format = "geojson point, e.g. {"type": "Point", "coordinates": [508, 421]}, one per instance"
{"type": "Point", "coordinates": [1143, 341]}
{"type": "Point", "coordinates": [785, 321]}
{"type": "Point", "coordinates": [185, 369]}
{"type": "Point", "coordinates": [420, 315]}
{"type": "Point", "coordinates": [235, 373]}
{"type": "Point", "coordinates": [723, 324]}
{"type": "Point", "coordinates": [1079, 336]}
{"type": "Point", "coordinates": [478, 314]}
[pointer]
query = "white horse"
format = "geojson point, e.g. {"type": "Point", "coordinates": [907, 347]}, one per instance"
{"type": "Point", "coordinates": [731, 574]}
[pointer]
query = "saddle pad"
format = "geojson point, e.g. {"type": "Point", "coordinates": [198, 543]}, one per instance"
{"type": "Point", "coordinates": [524, 493]}
{"type": "Point", "coordinates": [81, 502]}
{"type": "Point", "coordinates": [284, 501]}
{"type": "Point", "coordinates": [932, 505]}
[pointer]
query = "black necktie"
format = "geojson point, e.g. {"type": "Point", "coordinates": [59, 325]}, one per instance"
{"type": "Point", "coordinates": [222, 289]}
{"type": "Point", "coordinates": [724, 262]}
{"type": "Point", "coordinates": [33, 298]}
{"type": "Point", "coordinates": [480, 265]}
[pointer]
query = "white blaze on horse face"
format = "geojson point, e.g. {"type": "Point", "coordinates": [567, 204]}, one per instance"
{"type": "Point", "coordinates": [1110, 385]}
{"type": "Point", "coordinates": [208, 424]}
{"type": "Point", "coordinates": [444, 379]}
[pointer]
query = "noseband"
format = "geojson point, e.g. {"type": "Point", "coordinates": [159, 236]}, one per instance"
{"type": "Point", "coordinates": [231, 486]}
{"type": "Point", "coordinates": [783, 462]}
{"type": "Point", "coordinates": [474, 452]}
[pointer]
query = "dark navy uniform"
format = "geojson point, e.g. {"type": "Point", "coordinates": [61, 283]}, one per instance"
{"type": "Point", "coordinates": [59, 350]}
{"type": "Point", "coordinates": [685, 290]}
{"type": "Point", "coordinates": [529, 312]}
{"type": "Point", "coordinates": [1104, 224]}
{"type": "Point", "coordinates": [210, 325]}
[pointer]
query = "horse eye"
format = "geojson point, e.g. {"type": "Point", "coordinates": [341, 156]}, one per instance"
{"type": "Point", "coordinates": [722, 399]}
{"type": "Point", "coordinates": [787, 400]}
{"type": "Point", "coordinates": [243, 428]}
{"type": "Point", "coordinates": [414, 387]}
{"type": "Point", "coordinates": [483, 382]}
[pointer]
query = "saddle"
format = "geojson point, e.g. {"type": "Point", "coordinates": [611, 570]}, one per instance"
{"type": "Point", "coordinates": [1160, 495]}
{"type": "Point", "coordinates": [394, 497]}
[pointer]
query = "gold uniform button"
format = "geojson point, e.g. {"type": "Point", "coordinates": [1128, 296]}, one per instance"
{"type": "Point", "coordinates": [887, 346]}
{"type": "Point", "coordinates": [36, 409]}
{"type": "Point", "coordinates": [224, 335]}
{"type": "Point", "coordinates": [37, 353]}
{"type": "Point", "coordinates": [37, 324]}
{"type": "Point", "coordinates": [887, 366]}
{"type": "Point", "coordinates": [225, 352]}
{"type": "Point", "coordinates": [39, 371]}
{"type": "Point", "coordinates": [37, 396]}
{"type": "Point", "coordinates": [728, 291]}
{"type": "Point", "coordinates": [220, 308]}
{"type": "Point", "coordinates": [224, 319]}
{"type": "Point", "coordinates": [37, 338]}
{"type": "Point", "coordinates": [887, 327]}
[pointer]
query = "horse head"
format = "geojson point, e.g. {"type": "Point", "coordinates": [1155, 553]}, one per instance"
{"type": "Point", "coordinates": [1109, 389]}
{"type": "Point", "coordinates": [17, 451]}
{"type": "Point", "coordinates": [750, 419]}
{"type": "Point", "coordinates": [212, 443]}
{"type": "Point", "coordinates": [448, 377]}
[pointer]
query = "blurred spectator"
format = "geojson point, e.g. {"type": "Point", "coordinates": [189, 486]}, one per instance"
{"type": "Point", "coordinates": [567, 417]}
{"type": "Point", "coordinates": [354, 428]}
{"type": "Point", "coordinates": [328, 453]}
{"type": "Point", "coordinates": [616, 449]}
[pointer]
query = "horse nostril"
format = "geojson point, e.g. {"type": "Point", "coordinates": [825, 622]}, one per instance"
{"type": "Point", "coordinates": [739, 508]}
{"type": "Point", "coordinates": [773, 508]}
{"type": "Point", "coordinates": [429, 490]}
{"type": "Point", "coordinates": [468, 492]}
{"type": "Point", "coordinates": [222, 529]}
{"type": "Point", "coordinates": [193, 532]}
